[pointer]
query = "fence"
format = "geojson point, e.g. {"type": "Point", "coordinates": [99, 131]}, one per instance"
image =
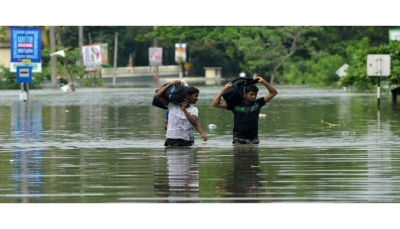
{"type": "Point", "coordinates": [140, 71]}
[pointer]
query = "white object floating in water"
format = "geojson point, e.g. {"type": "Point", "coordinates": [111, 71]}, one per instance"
{"type": "Point", "coordinates": [212, 126]}
{"type": "Point", "coordinates": [262, 115]}
{"type": "Point", "coordinates": [66, 88]}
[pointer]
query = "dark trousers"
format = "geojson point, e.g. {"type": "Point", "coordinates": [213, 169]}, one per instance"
{"type": "Point", "coordinates": [177, 142]}
{"type": "Point", "coordinates": [237, 139]}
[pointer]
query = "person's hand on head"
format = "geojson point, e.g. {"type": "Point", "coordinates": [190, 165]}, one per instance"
{"type": "Point", "coordinates": [260, 79]}
{"type": "Point", "coordinates": [175, 82]}
{"type": "Point", "coordinates": [229, 84]}
{"type": "Point", "coordinates": [184, 104]}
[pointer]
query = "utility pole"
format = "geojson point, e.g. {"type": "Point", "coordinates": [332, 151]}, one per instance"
{"type": "Point", "coordinates": [80, 28]}
{"type": "Point", "coordinates": [156, 76]}
{"type": "Point", "coordinates": [115, 57]}
{"type": "Point", "coordinates": [181, 61]}
{"type": "Point", "coordinates": [24, 88]}
{"type": "Point", "coordinates": [80, 44]}
{"type": "Point", "coordinates": [53, 59]}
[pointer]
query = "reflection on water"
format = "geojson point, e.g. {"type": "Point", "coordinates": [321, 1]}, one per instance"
{"type": "Point", "coordinates": [106, 146]}
{"type": "Point", "coordinates": [379, 163]}
{"type": "Point", "coordinates": [246, 173]}
{"type": "Point", "coordinates": [28, 172]}
{"type": "Point", "coordinates": [182, 174]}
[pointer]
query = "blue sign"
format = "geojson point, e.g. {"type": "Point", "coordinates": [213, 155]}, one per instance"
{"type": "Point", "coordinates": [26, 44]}
{"type": "Point", "coordinates": [24, 74]}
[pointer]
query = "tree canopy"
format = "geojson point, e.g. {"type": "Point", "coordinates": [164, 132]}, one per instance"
{"type": "Point", "coordinates": [289, 55]}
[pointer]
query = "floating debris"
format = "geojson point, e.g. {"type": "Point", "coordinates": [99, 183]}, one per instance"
{"type": "Point", "coordinates": [330, 124]}
{"type": "Point", "coordinates": [212, 126]}
{"type": "Point", "coordinates": [349, 133]}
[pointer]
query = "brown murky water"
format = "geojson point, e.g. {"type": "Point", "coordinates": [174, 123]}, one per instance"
{"type": "Point", "coordinates": [106, 146]}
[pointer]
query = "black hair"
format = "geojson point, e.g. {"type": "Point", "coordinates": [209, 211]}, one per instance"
{"type": "Point", "coordinates": [250, 87]}
{"type": "Point", "coordinates": [192, 90]}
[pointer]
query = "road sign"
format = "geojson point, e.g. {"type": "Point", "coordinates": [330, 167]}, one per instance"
{"type": "Point", "coordinates": [26, 47]}
{"type": "Point", "coordinates": [394, 34]}
{"type": "Point", "coordinates": [186, 66]}
{"type": "Point", "coordinates": [24, 74]}
{"type": "Point", "coordinates": [342, 70]}
{"type": "Point", "coordinates": [378, 65]}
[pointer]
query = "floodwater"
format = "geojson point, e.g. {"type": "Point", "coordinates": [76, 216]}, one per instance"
{"type": "Point", "coordinates": [105, 145]}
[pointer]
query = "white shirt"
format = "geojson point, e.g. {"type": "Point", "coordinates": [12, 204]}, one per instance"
{"type": "Point", "coordinates": [178, 124]}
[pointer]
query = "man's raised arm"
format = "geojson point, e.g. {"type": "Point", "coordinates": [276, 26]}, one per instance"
{"type": "Point", "coordinates": [272, 91]}
{"type": "Point", "coordinates": [217, 100]}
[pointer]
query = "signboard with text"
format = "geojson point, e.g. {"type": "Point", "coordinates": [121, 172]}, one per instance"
{"type": "Point", "coordinates": [155, 56]}
{"type": "Point", "coordinates": [180, 52]}
{"type": "Point", "coordinates": [36, 67]}
{"type": "Point", "coordinates": [26, 48]}
{"type": "Point", "coordinates": [104, 53]}
{"type": "Point", "coordinates": [394, 34]}
{"type": "Point", "coordinates": [92, 58]}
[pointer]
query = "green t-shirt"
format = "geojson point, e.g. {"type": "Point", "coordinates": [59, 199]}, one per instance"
{"type": "Point", "coordinates": [245, 118]}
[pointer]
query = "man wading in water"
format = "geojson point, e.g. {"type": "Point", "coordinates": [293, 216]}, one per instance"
{"type": "Point", "coordinates": [246, 112]}
{"type": "Point", "coordinates": [180, 117]}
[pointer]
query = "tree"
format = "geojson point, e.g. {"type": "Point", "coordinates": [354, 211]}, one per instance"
{"type": "Point", "coordinates": [357, 72]}
{"type": "Point", "coordinates": [206, 46]}
{"type": "Point", "coordinates": [265, 49]}
{"type": "Point", "coordinates": [2, 31]}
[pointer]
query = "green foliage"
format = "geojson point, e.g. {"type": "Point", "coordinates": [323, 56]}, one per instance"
{"type": "Point", "coordinates": [2, 32]}
{"type": "Point", "coordinates": [46, 71]}
{"type": "Point", "coordinates": [71, 56]}
{"type": "Point", "coordinates": [292, 54]}
{"type": "Point", "coordinates": [357, 72]}
{"type": "Point", "coordinates": [293, 72]}
{"type": "Point", "coordinates": [322, 73]}
{"type": "Point", "coordinates": [8, 80]}
{"type": "Point", "coordinates": [336, 39]}
{"type": "Point", "coordinates": [92, 82]}
{"type": "Point", "coordinates": [205, 45]}
{"type": "Point", "coordinates": [252, 48]}
{"type": "Point", "coordinates": [265, 49]}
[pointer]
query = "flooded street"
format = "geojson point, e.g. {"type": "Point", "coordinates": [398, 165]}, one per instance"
{"type": "Point", "coordinates": [105, 145]}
